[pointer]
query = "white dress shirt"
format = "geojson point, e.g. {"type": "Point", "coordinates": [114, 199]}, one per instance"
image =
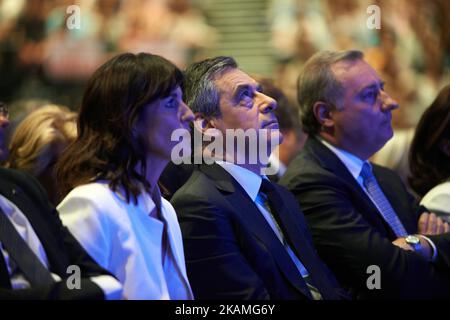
{"type": "Point", "coordinates": [354, 165]}
{"type": "Point", "coordinates": [251, 183]}
{"type": "Point", "coordinates": [124, 239]}
{"type": "Point", "coordinates": [110, 286]}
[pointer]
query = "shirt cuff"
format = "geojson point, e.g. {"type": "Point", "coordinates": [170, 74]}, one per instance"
{"type": "Point", "coordinates": [110, 286]}
{"type": "Point", "coordinates": [55, 277]}
{"type": "Point", "coordinates": [433, 246]}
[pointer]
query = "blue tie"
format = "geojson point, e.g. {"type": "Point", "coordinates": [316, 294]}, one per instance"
{"type": "Point", "coordinates": [377, 196]}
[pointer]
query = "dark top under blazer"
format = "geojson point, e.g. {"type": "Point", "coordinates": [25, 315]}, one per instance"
{"type": "Point", "coordinates": [60, 246]}
{"type": "Point", "coordinates": [232, 252]}
{"type": "Point", "coordinates": [350, 234]}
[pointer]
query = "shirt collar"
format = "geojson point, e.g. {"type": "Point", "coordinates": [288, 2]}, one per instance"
{"type": "Point", "coordinates": [249, 181]}
{"type": "Point", "coordinates": [351, 162]}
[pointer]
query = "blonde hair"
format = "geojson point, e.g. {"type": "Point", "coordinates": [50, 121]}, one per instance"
{"type": "Point", "coordinates": [38, 140]}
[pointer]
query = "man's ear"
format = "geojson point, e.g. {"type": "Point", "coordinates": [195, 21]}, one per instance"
{"type": "Point", "coordinates": [201, 123]}
{"type": "Point", "coordinates": [445, 146]}
{"type": "Point", "coordinates": [322, 112]}
{"type": "Point", "coordinates": [205, 125]}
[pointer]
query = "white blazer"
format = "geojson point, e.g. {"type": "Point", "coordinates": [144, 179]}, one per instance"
{"type": "Point", "coordinates": [438, 200]}
{"type": "Point", "coordinates": [126, 241]}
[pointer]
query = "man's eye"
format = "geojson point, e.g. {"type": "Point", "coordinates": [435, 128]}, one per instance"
{"type": "Point", "coordinates": [246, 94]}
{"type": "Point", "coordinates": [370, 96]}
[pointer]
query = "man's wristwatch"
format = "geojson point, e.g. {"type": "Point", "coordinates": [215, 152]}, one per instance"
{"type": "Point", "coordinates": [414, 241]}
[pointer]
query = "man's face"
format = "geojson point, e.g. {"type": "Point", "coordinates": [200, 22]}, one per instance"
{"type": "Point", "coordinates": [244, 106]}
{"type": "Point", "coordinates": [362, 123]}
{"type": "Point", "coordinates": [4, 122]}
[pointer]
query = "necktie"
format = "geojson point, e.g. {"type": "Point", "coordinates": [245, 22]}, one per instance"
{"type": "Point", "coordinates": [374, 190]}
{"type": "Point", "coordinates": [28, 263]}
{"type": "Point", "coordinates": [275, 204]}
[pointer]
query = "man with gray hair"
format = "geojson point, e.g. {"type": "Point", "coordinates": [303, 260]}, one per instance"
{"type": "Point", "coordinates": [244, 237]}
{"type": "Point", "coordinates": [364, 223]}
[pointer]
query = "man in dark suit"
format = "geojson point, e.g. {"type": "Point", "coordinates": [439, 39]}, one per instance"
{"type": "Point", "coordinates": [39, 258]}
{"type": "Point", "coordinates": [361, 216]}
{"type": "Point", "coordinates": [24, 202]}
{"type": "Point", "coordinates": [243, 238]}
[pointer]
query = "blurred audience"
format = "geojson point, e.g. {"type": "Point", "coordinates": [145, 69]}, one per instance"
{"type": "Point", "coordinates": [46, 59]}
{"type": "Point", "coordinates": [37, 143]}
{"type": "Point", "coordinates": [411, 51]}
{"type": "Point", "coordinates": [430, 156]}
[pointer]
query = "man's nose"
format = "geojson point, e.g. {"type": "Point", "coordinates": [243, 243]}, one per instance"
{"type": "Point", "coordinates": [388, 103]}
{"type": "Point", "coordinates": [266, 103]}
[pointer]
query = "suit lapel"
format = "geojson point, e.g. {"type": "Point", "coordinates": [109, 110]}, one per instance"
{"type": "Point", "coordinates": [303, 249]}
{"type": "Point", "coordinates": [5, 281]}
{"type": "Point", "coordinates": [176, 251]}
{"type": "Point", "coordinates": [328, 160]}
{"type": "Point", "coordinates": [256, 223]}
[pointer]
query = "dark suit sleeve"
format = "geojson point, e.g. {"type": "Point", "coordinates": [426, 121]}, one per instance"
{"type": "Point", "coordinates": [442, 243]}
{"type": "Point", "coordinates": [349, 245]}
{"type": "Point", "coordinates": [210, 244]}
{"type": "Point", "coordinates": [73, 253]}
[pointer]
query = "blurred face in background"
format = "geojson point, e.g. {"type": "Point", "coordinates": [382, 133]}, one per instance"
{"type": "Point", "coordinates": [4, 123]}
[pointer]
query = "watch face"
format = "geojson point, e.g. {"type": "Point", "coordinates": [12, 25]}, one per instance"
{"type": "Point", "coordinates": [412, 239]}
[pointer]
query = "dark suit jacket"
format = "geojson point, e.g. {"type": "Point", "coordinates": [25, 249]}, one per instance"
{"type": "Point", "coordinates": [174, 177]}
{"type": "Point", "coordinates": [60, 247]}
{"type": "Point", "coordinates": [231, 251]}
{"type": "Point", "coordinates": [350, 234]}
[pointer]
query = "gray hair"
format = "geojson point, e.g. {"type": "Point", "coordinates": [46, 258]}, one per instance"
{"type": "Point", "coordinates": [200, 92]}
{"type": "Point", "coordinates": [317, 82]}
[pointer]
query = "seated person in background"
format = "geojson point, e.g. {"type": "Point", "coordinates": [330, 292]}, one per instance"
{"type": "Point", "coordinates": [430, 156]}
{"type": "Point", "coordinates": [131, 106]}
{"type": "Point", "coordinates": [37, 143]}
{"type": "Point", "coordinates": [287, 113]}
{"type": "Point", "coordinates": [360, 214]}
{"type": "Point", "coordinates": [244, 237]}
{"type": "Point", "coordinates": [4, 123]}
{"type": "Point", "coordinates": [36, 250]}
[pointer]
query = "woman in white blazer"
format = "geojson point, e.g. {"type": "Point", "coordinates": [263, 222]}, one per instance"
{"type": "Point", "coordinates": [109, 175]}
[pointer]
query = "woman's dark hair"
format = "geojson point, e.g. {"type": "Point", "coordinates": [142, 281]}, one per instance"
{"type": "Point", "coordinates": [106, 148]}
{"type": "Point", "coordinates": [429, 165]}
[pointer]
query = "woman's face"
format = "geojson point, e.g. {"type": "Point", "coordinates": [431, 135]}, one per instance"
{"type": "Point", "coordinates": [160, 119]}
